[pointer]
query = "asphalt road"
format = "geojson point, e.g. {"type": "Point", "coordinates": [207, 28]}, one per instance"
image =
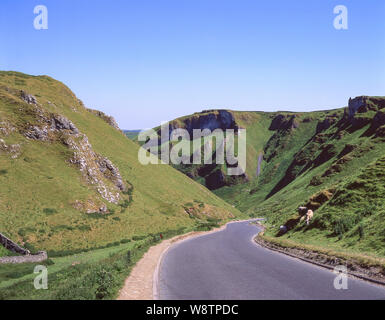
{"type": "Point", "coordinates": [228, 265]}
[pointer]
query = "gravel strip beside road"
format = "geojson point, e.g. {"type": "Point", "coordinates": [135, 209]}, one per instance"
{"type": "Point", "coordinates": [142, 282]}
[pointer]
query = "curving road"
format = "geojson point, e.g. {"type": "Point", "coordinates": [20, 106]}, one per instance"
{"type": "Point", "coordinates": [228, 265]}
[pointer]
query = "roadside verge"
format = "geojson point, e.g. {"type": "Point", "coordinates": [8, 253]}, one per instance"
{"type": "Point", "coordinates": [359, 266]}
{"type": "Point", "coordinates": [143, 281]}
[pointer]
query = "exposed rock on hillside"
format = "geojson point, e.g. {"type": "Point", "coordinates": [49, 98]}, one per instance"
{"type": "Point", "coordinates": [357, 114]}
{"type": "Point", "coordinates": [378, 121]}
{"type": "Point", "coordinates": [284, 122]}
{"type": "Point", "coordinates": [218, 119]}
{"type": "Point", "coordinates": [380, 132]}
{"type": "Point", "coordinates": [347, 149]}
{"type": "Point", "coordinates": [328, 152]}
{"type": "Point", "coordinates": [319, 199]}
{"type": "Point", "coordinates": [111, 172]}
{"type": "Point", "coordinates": [215, 180]}
{"type": "Point", "coordinates": [59, 122]}
{"type": "Point", "coordinates": [326, 123]}
{"type": "Point", "coordinates": [357, 105]}
{"type": "Point", "coordinates": [109, 119]}
{"type": "Point", "coordinates": [49, 125]}
{"type": "Point", "coordinates": [6, 128]}
{"type": "Point", "coordinates": [90, 206]}
{"type": "Point", "coordinates": [13, 149]}
{"type": "Point", "coordinates": [97, 170]}
{"type": "Point", "coordinates": [28, 98]}
{"type": "Point", "coordinates": [208, 119]}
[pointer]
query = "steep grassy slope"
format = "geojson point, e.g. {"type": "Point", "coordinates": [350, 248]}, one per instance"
{"type": "Point", "coordinates": [346, 190]}
{"type": "Point", "coordinates": [58, 192]}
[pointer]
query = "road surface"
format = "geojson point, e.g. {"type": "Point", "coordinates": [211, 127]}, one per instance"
{"type": "Point", "coordinates": [228, 265]}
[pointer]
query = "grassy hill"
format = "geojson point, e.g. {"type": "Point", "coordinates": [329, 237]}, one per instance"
{"type": "Point", "coordinates": [70, 180]}
{"type": "Point", "coordinates": [132, 134]}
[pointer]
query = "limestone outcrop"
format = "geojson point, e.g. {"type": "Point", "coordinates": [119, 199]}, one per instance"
{"type": "Point", "coordinates": [96, 169]}
{"type": "Point", "coordinates": [109, 119]}
{"type": "Point", "coordinates": [13, 149]}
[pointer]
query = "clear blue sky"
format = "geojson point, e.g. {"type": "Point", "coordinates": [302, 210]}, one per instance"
{"type": "Point", "coordinates": [148, 61]}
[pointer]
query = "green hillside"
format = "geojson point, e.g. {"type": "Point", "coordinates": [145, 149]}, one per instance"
{"type": "Point", "coordinates": [70, 180]}
{"type": "Point", "coordinates": [132, 134]}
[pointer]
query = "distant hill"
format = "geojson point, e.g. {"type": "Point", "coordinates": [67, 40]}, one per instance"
{"type": "Point", "coordinates": [70, 179]}
{"type": "Point", "coordinates": [132, 134]}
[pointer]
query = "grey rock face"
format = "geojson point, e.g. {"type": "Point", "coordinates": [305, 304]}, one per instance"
{"type": "Point", "coordinates": [216, 119]}
{"type": "Point", "coordinates": [59, 122]}
{"type": "Point", "coordinates": [284, 122]}
{"type": "Point", "coordinates": [37, 133]}
{"type": "Point", "coordinates": [379, 119]}
{"type": "Point", "coordinates": [6, 128]}
{"type": "Point", "coordinates": [326, 123]}
{"type": "Point", "coordinates": [223, 120]}
{"type": "Point", "coordinates": [95, 168]}
{"type": "Point", "coordinates": [109, 119]}
{"type": "Point", "coordinates": [111, 172]}
{"type": "Point", "coordinates": [51, 124]}
{"type": "Point", "coordinates": [29, 98]}
{"type": "Point", "coordinates": [357, 104]}
{"type": "Point", "coordinates": [13, 149]}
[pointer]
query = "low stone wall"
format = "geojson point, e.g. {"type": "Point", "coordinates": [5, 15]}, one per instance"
{"type": "Point", "coordinates": [31, 258]}
{"type": "Point", "coordinates": [26, 255]}
{"type": "Point", "coordinates": [12, 246]}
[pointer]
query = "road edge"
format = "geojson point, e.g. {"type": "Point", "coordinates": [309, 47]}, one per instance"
{"type": "Point", "coordinates": [150, 278]}
{"type": "Point", "coordinates": [155, 288]}
{"type": "Point", "coordinates": [276, 248]}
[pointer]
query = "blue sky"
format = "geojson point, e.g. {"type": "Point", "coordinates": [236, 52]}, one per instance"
{"type": "Point", "coordinates": [149, 61]}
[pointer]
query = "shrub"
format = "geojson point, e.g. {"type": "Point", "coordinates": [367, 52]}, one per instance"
{"type": "Point", "coordinates": [344, 223]}
{"type": "Point", "coordinates": [361, 231]}
{"type": "Point", "coordinates": [30, 247]}
{"type": "Point", "coordinates": [104, 283]}
{"type": "Point", "coordinates": [316, 181]}
{"type": "Point", "coordinates": [49, 211]}
{"type": "Point", "coordinates": [84, 228]}
{"type": "Point", "coordinates": [137, 238]}
{"type": "Point", "coordinates": [368, 209]}
{"type": "Point", "coordinates": [48, 262]}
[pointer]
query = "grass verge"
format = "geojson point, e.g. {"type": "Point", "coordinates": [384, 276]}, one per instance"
{"type": "Point", "coordinates": [359, 265]}
{"type": "Point", "coordinates": [97, 274]}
